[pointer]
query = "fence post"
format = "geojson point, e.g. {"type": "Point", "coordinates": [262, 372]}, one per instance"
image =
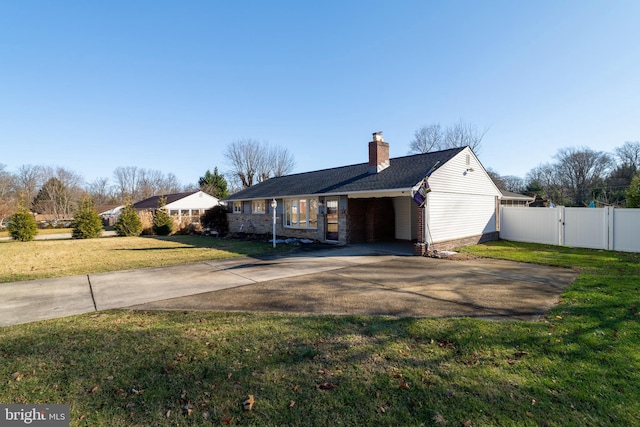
{"type": "Point", "coordinates": [611, 211]}
{"type": "Point", "coordinates": [561, 217]}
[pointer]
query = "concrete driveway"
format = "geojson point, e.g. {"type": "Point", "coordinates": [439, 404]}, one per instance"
{"type": "Point", "coordinates": [354, 279]}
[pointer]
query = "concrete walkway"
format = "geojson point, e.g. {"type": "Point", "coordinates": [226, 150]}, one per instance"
{"type": "Point", "coordinates": [27, 301]}
{"type": "Point", "coordinates": [357, 279]}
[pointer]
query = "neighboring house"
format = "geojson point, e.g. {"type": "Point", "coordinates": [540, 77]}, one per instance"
{"type": "Point", "coordinates": [51, 220]}
{"type": "Point", "coordinates": [183, 206]}
{"type": "Point", "coordinates": [510, 198]}
{"type": "Point", "coordinates": [109, 213]}
{"type": "Point", "coordinates": [372, 202]}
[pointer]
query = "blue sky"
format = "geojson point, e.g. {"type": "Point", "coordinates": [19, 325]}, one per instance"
{"type": "Point", "coordinates": [167, 85]}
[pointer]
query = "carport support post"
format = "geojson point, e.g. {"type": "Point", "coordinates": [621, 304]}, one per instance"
{"type": "Point", "coordinates": [420, 248]}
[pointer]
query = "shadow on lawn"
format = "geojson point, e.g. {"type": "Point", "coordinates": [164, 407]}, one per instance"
{"type": "Point", "coordinates": [122, 368]}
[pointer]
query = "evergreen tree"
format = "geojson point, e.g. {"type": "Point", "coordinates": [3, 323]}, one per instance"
{"type": "Point", "coordinates": [633, 192]}
{"type": "Point", "coordinates": [128, 223]}
{"type": "Point", "coordinates": [86, 223]}
{"type": "Point", "coordinates": [214, 184]}
{"type": "Point", "coordinates": [216, 219]}
{"type": "Point", "coordinates": [22, 225]}
{"type": "Point", "coordinates": [162, 222]}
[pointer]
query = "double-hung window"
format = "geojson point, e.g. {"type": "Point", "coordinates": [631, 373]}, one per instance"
{"type": "Point", "coordinates": [301, 213]}
{"type": "Point", "coordinates": [257, 207]}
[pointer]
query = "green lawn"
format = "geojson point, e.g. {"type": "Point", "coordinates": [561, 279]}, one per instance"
{"type": "Point", "coordinates": [579, 366]}
{"type": "Point", "coordinates": [56, 258]}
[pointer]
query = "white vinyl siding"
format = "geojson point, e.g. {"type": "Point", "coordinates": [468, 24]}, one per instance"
{"type": "Point", "coordinates": [453, 177]}
{"type": "Point", "coordinates": [455, 216]}
{"type": "Point", "coordinates": [462, 202]}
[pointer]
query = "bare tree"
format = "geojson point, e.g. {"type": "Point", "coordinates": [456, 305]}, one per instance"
{"type": "Point", "coordinates": [127, 182]}
{"type": "Point", "coordinates": [151, 183]}
{"type": "Point", "coordinates": [28, 181]}
{"type": "Point", "coordinates": [629, 154]}
{"type": "Point", "coordinates": [60, 194]}
{"type": "Point", "coordinates": [135, 184]}
{"type": "Point", "coordinates": [546, 176]}
{"type": "Point", "coordinates": [101, 192]}
{"type": "Point", "coordinates": [253, 161]}
{"type": "Point", "coordinates": [511, 183]}
{"type": "Point", "coordinates": [283, 162]}
{"type": "Point", "coordinates": [580, 170]}
{"type": "Point", "coordinates": [426, 139]}
{"type": "Point", "coordinates": [8, 195]}
{"type": "Point", "coordinates": [244, 156]}
{"type": "Point", "coordinates": [431, 137]}
{"type": "Point", "coordinates": [464, 134]}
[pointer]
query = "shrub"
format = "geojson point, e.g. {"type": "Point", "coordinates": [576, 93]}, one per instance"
{"type": "Point", "coordinates": [146, 218]}
{"type": "Point", "coordinates": [22, 226]}
{"type": "Point", "coordinates": [633, 192]}
{"type": "Point", "coordinates": [216, 219]}
{"type": "Point", "coordinates": [86, 223]}
{"type": "Point", "coordinates": [162, 221]}
{"type": "Point", "coordinates": [129, 223]}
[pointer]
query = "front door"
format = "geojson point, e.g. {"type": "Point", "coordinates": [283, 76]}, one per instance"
{"type": "Point", "coordinates": [332, 220]}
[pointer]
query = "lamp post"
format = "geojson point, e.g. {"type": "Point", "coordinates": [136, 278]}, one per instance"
{"type": "Point", "coordinates": [274, 205]}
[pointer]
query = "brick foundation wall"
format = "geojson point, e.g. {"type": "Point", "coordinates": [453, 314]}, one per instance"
{"type": "Point", "coordinates": [467, 241]}
{"type": "Point", "coordinates": [263, 224]}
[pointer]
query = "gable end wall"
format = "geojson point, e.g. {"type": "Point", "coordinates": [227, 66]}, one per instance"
{"type": "Point", "coordinates": [462, 204]}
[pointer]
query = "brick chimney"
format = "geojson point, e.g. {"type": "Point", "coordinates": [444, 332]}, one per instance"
{"type": "Point", "coordinates": [378, 153]}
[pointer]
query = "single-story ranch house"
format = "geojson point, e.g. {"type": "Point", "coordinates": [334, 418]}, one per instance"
{"type": "Point", "coordinates": [182, 206]}
{"type": "Point", "coordinates": [373, 202]}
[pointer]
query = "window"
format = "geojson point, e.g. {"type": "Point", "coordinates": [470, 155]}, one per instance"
{"type": "Point", "coordinates": [237, 207]}
{"type": "Point", "coordinates": [257, 206]}
{"type": "Point", "coordinates": [301, 213]}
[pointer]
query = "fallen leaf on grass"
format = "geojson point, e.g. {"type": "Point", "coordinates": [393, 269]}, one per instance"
{"type": "Point", "coordinates": [94, 389]}
{"type": "Point", "coordinates": [439, 419]}
{"type": "Point", "coordinates": [188, 409]}
{"type": "Point", "coordinates": [17, 376]}
{"type": "Point", "coordinates": [326, 386]}
{"type": "Point", "coordinates": [247, 405]}
{"type": "Point", "coordinates": [292, 404]}
{"type": "Point", "coordinates": [403, 384]}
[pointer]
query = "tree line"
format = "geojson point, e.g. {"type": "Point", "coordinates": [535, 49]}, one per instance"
{"type": "Point", "coordinates": [581, 176]}
{"type": "Point", "coordinates": [59, 191]}
{"type": "Point", "coordinates": [578, 176]}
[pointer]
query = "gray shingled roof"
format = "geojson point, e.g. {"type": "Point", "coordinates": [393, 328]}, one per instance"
{"type": "Point", "coordinates": [152, 202]}
{"type": "Point", "coordinates": [403, 173]}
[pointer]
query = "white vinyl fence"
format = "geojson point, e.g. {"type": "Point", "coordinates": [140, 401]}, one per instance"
{"type": "Point", "coordinates": [607, 228]}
